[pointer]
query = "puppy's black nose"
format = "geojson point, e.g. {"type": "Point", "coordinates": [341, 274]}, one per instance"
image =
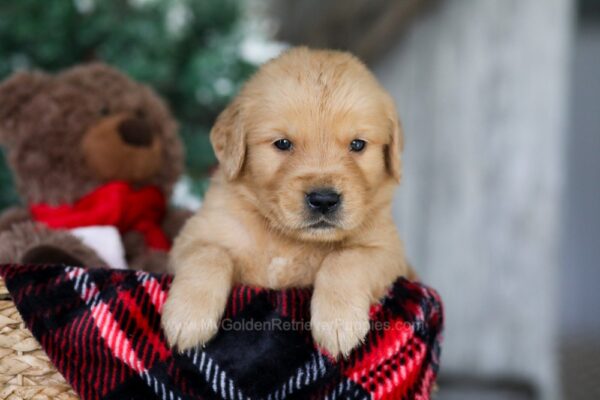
{"type": "Point", "coordinates": [324, 201]}
{"type": "Point", "coordinates": [136, 132]}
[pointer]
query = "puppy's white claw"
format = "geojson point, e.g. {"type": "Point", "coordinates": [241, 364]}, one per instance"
{"type": "Point", "coordinates": [338, 327]}
{"type": "Point", "coordinates": [189, 322]}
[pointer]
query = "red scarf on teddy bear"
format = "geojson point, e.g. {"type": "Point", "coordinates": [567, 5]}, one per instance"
{"type": "Point", "coordinates": [116, 204]}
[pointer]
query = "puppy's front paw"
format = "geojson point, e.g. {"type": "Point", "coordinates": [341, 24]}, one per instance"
{"type": "Point", "coordinates": [189, 318]}
{"type": "Point", "coordinates": [338, 325]}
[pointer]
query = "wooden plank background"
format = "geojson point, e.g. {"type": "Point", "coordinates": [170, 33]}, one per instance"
{"type": "Point", "coordinates": [482, 90]}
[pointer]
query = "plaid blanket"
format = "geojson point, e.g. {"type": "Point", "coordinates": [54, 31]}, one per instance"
{"type": "Point", "coordinates": [101, 329]}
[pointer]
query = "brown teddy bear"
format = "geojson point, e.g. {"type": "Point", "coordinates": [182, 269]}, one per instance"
{"type": "Point", "coordinates": [95, 156]}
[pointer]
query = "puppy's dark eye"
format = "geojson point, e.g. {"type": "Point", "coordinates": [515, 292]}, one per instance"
{"type": "Point", "coordinates": [357, 145]}
{"type": "Point", "coordinates": [140, 113]}
{"type": "Point", "coordinates": [104, 111]}
{"type": "Point", "coordinates": [283, 144]}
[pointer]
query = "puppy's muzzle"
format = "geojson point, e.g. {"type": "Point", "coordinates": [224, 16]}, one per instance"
{"type": "Point", "coordinates": [323, 201]}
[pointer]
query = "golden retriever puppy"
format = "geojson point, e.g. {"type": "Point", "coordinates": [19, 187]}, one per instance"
{"type": "Point", "coordinates": [309, 155]}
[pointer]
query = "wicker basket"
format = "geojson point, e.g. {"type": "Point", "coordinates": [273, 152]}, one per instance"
{"type": "Point", "coordinates": [25, 370]}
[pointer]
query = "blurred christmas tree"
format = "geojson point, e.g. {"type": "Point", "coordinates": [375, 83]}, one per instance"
{"type": "Point", "coordinates": [186, 49]}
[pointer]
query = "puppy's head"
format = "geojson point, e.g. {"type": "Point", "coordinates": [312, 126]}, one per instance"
{"type": "Point", "coordinates": [315, 142]}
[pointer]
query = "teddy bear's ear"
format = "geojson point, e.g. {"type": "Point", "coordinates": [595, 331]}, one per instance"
{"type": "Point", "coordinates": [16, 91]}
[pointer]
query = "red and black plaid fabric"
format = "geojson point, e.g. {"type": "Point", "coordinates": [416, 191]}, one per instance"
{"type": "Point", "coordinates": [101, 328]}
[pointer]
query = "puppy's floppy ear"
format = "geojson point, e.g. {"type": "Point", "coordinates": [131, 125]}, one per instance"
{"type": "Point", "coordinates": [15, 92]}
{"type": "Point", "coordinates": [228, 138]}
{"type": "Point", "coordinates": [393, 151]}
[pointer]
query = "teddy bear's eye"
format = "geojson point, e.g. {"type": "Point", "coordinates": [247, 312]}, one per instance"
{"type": "Point", "coordinates": [140, 113]}
{"type": "Point", "coordinates": [104, 111]}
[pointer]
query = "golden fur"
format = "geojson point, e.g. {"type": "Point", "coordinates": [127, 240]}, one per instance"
{"type": "Point", "coordinates": [253, 226]}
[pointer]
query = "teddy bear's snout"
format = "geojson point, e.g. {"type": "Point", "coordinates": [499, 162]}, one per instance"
{"type": "Point", "coordinates": [136, 132]}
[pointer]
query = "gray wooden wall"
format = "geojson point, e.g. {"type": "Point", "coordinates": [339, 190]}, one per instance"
{"type": "Point", "coordinates": [581, 254]}
{"type": "Point", "coordinates": [481, 88]}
